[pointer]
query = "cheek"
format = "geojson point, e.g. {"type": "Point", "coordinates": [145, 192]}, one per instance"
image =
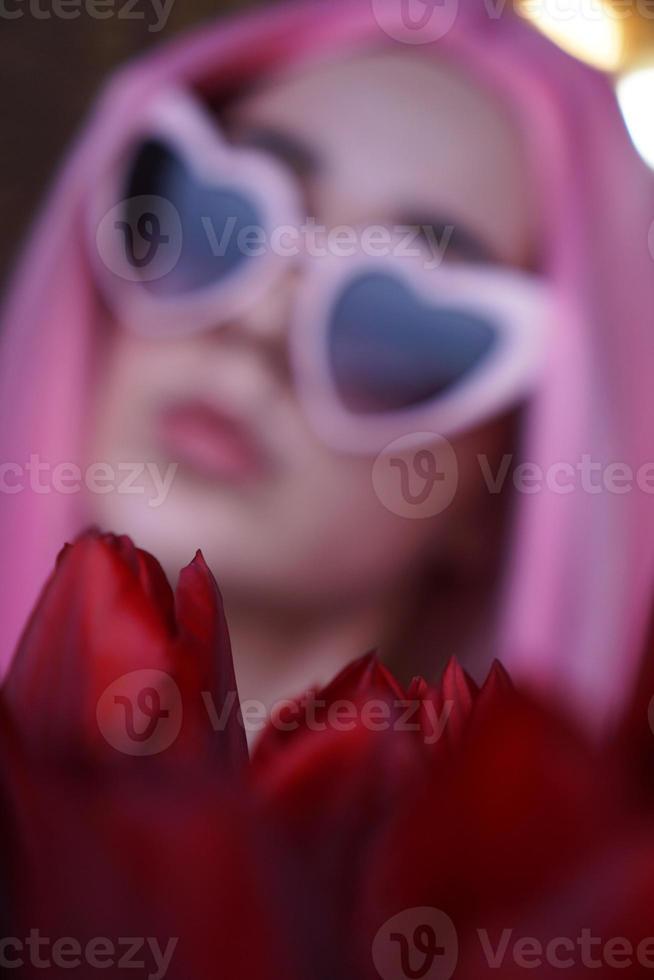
{"type": "Point", "coordinates": [134, 374]}
{"type": "Point", "coordinates": [375, 533]}
{"type": "Point", "coordinates": [135, 367]}
{"type": "Point", "coordinates": [350, 530]}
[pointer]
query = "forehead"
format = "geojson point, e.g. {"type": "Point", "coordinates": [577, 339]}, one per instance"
{"type": "Point", "coordinates": [392, 132]}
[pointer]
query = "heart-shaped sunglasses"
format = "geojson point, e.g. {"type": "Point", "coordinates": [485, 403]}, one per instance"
{"type": "Point", "coordinates": [188, 232]}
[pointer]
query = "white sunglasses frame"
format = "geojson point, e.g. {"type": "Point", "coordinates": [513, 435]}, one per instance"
{"type": "Point", "coordinates": [519, 305]}
{"type": "Point", "coordinates": [184, 124]}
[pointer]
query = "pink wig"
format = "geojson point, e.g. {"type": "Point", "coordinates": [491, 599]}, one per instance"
{"type": "Point", "coordinates": [579, 564]}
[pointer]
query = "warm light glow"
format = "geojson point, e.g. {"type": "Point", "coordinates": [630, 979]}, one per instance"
{"type": "Point", "coordinates": [586, 29]}
{"type": "Point", "coordinates": [636, 98]}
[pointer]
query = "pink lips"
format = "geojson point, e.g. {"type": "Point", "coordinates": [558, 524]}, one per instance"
{"type": "Point", "coordinates": [213, 444]}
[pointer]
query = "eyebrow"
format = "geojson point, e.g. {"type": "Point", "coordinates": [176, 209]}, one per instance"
{"type": "Point", "coordinates": [460, 241]}
{"type": "Point", "coordinates": [295, 153]}
{"type": "Point", "coordinates": [458, 238]}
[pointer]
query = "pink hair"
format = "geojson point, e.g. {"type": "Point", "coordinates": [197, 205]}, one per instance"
{"type": "Point", "coordinates": [580, 567]}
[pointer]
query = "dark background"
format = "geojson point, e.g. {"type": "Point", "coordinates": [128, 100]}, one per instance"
{"type": "Point", "coordinates": [50, 71]}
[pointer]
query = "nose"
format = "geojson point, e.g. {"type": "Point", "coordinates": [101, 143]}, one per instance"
{"type": "Point", "coordinates": [264, 325]}
{"type": "Point", "coordinates": [267, 319]}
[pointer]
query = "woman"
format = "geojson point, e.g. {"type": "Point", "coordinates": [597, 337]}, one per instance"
{"type": "Point", "coordinates": [295, 392]}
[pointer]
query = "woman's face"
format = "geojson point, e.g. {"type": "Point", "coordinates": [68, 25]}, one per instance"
{"type": "Point", "coordinates": [389, 139]}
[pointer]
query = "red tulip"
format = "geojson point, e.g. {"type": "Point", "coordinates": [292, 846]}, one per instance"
{"type": "Point", "coordinates": [377, 832]}
{"type": "Point", "coordinates": [116, 828]}
{"type": "Point", "coordinates": [111, 657]}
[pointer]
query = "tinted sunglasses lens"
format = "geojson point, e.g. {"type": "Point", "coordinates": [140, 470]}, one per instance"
{"type": "Point", "coordinates": [389, 350]}
{"type": "Point", "coordinates": [211, 217]}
